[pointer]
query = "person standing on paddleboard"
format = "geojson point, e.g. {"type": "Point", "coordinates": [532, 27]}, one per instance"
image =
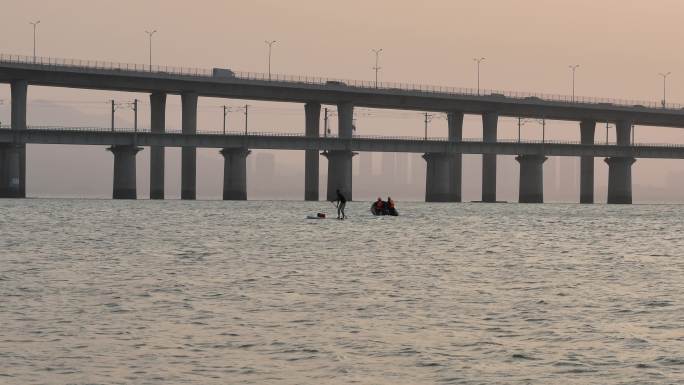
{"type": "Point", "coordinates": [341, 203]}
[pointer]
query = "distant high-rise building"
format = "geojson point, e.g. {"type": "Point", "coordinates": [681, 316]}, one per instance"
{"type": "Point", "coordinates": [402, 171]}
{"type": "Point", "coordinates": [568, 175]}
{"type": "Point", "coordinates": [389, 169]}
{"type": "Point", "coordinates": [366, 165]}
{"type": "Point", "coordinates": [265, 166]}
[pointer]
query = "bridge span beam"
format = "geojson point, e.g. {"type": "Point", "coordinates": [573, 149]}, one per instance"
{"type": "Point", "coordinates": [189, 154]}
{"type": "Point", "coordinates": [587, 133]}
{"type": "Point", "coordinates": [13, 157]}
{"type": "Point", "coordinates": [455, 122]}
{"type": "Point", "coordinates": [235, 173]}
{"type": "Point", "coordinates": [620, 168]}
{"type": "Point", "coordinates": [489, 135]}
{"type": "Point", "coordinates": [531, 188]}
{"type": "Point", "coordinates": [311, 169]}
{"type": "Point", "coordinates": [157, 125]}
{"type": "Point", "coordinates": [124, 186]}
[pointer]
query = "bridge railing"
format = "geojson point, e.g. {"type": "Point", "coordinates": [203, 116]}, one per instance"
{"type": "Point", "coordinates": [129, 131]}
{"type": "Point", "coordinates": [332, 83]}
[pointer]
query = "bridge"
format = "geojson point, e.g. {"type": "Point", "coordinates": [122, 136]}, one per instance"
{"type": "Point", "coordinates": [443, 156]}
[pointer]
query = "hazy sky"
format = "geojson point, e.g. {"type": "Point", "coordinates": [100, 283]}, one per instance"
{"type": "Point", "coordinates": [620, 45]}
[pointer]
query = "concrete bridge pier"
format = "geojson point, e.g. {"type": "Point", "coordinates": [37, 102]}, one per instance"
{"type": "Point", "coordinates": [157, 125]}
{"type": "Point", "coordinates": [489, 133]}
{"type": "Point", "coordinates": [620, 169]}
{"type": "Point", "coordinates": [531, 189]}
{"type": "Point", "coordinates": [339, 174]}
{"type": "Point", "coordinates": [311, 169]}
{"type": "Point", "coordinates": [235, 173]}
{"type": "Point", "coordinates": [189, 154]}
{"type": "Point", "coordinates": [13, 157]}
{"type": "Point", "coordinates": [455, 122]}
{"type": "Point", "coordinates": [340, 162]}
{"type": "Point", "coordinates": [124, 171]}
{"type": "Point", "coordinates": [10, 170]}
{"type": "Point", "coordinates": [620, 180]}
{"type": "Point", "coordinates": [438, 177]}
{"type": "Point", "coordinates": [587, 132]}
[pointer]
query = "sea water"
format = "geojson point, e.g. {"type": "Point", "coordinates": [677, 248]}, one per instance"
{"type": "Point", "coordinates": [211, 292]}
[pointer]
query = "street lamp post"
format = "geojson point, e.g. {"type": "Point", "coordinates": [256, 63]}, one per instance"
{"type": "Point", "coordinates": [377, 64]}
{"type": "Point", "coordinates": [664, 75]}
{"type": "Point", "coordinates": [270, 48]}
{"type": "Point", "coordinates": [149, 34]}
{"type": "Point", "coordinates": [35, 27]}
{"type": "Point", "coordinates": [573, 67]}
{"type": "Point", "coordinates": [478, 61]}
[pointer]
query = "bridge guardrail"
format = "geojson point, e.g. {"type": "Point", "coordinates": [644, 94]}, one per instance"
{"type": "Point", "coordinates": [362, 137]}
{"type": "Point", "coordinates": [144, 69]}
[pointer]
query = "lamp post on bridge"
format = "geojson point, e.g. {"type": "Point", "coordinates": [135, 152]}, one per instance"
{"type": "Point", "coordinates": [478, 61]}
{"type": "Point", "coordinates": [664, 75]}
{"type": "Point", "coordinates": [270, 48]}
{"type": "Point", "coordinates": [573, 67]}
{"type": "Point", "coordinates": [35, 27]}
{"type": "Point", "coordinates": [149, 35]}
{"type": "Point", "coordinates": [377, 64]}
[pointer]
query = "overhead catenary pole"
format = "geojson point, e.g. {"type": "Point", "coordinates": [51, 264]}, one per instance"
{"type": "Point", "coordinates": [35, 27]}
{"type": "Point", "coordinates": [664, 75]}
{"type": "Point", "coordinates": [135, 115]}
{"type": "Point", "coordinates": [270, 48]}
{"type": "Point", "coordinates": [428, 118]}
{"type": "Point", "coordinates": [377, 64]}
{"type": "Point", "coordinates": [149, 34]}
{"type": "Point", "coordinates": [225, 115]}
{"type": "Point", "coordinates": [478, 61]}
{"type": "Point", "coordinates": [246, 116]}
{"type": "Point", "coordinates": [113, 109]}
{"type": "Point", "coordinates": [573, 67]}
{"type": "Point", "coordinates": [519, 125]}
{"type": "Point", "coordinates": [325, 122]}
{"type": "Point", "coordinates": [607, 125]}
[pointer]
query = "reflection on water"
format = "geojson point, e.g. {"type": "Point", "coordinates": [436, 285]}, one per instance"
{"type": "Point", "coordinates": [253, 293]}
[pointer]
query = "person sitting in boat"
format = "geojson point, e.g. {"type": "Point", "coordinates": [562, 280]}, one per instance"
{"type": "Point", "coordinates": [379, 205]}
{"type": "Point", "coordinates": [390, 206]}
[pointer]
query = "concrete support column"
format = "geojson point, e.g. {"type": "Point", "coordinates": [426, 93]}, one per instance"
{"type": "Point", "coordinates": [489, 133]}
{"type": "Point", "coordinates": [124, 171]}
{"type": "Point", "coordinates": [312, 124]}
{"type": "Point", "coordinates": [531, 178]}
{"type": "Point", "coordinates": [620, 180]}
{"type": "Point", "coordinates": [13, 166]}
{"type": "Point", "coordinates": [438, 178]}
{"type": "Point", "coordinates": [189, 154]}
{"type": "Point", "coordinates": [235, 173]}
{"type": "Point", "coordinates": [455, 121]}
{"type": "Point", "coordinates": [345, 119]}
{"type": "Point", "coordinates": [10, 170]}
{"type": "Point", "coordinates": [587, 132]}
{"type": "Point", "coordinates": [620, 169]}
{"type": "Point", "coordinates": [157, 124]}
{"type": "Point", "coordinates": [339, 173]}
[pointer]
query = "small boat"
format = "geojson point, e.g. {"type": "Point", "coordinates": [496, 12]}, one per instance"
{"type": "Point", "coordinates": [378, 212]}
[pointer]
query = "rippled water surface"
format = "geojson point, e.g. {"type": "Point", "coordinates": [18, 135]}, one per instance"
{"type": "Point", "coordinates": [97, 291]}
